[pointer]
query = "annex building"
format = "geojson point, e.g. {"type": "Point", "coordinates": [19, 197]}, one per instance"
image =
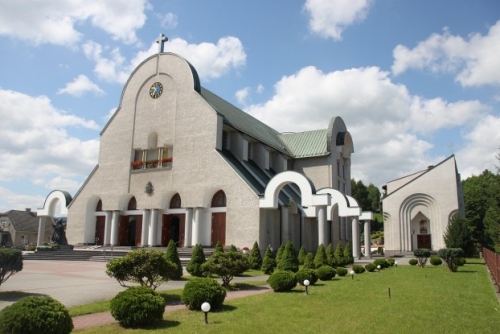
{"type": "Point", "coordinates": [178, 162]}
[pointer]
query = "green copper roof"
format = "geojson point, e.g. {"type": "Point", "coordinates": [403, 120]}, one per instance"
{"type": "Point", "coordinates": [306, 144]}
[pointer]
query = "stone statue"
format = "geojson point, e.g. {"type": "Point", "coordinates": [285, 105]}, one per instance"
{"type": "Point", "coordinates": [59, 236]}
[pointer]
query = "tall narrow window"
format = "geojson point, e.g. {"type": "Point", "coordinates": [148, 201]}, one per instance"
{"type": "Point", "coordinates": [219, 199]}
{"type": "Point", "coordinates": [175, 202]}
{"type": "Point", "coordinates": [132, 204]}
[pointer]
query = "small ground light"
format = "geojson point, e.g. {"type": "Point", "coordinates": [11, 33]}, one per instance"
{"type": "Point", "coordinates": [352, 274]}
{"type": "Point", "coordinates": [396, 263]}
{"type": "Point", "coordinates": [379, 267]}
{"type": "Point", "coordinates": [306, 284]}
{"type": "Point", "coordinates": [205, 307]}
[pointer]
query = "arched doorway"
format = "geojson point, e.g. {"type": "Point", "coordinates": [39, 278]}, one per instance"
{"type": "Point", "coordinates": [173, 226]}
{"type": "Point", "coordinates": [218, 219]}
{"type": "Point", "coordinates": [130, 229]}
{"type": "Point", "coordinates": [100, 222]}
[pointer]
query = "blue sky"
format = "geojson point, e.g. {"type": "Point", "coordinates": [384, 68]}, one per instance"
{"type": "Point", "coordinates": [413, 80]}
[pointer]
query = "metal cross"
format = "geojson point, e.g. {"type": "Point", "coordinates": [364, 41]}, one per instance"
{"type": "Point", "coordinates": [161, 42]}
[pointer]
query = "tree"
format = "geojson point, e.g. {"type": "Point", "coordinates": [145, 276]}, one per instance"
{"type": "Point", "coordinates": [146, 267]}
{"type": "Point", "coordinates": [280, 251]}
{"type": "Point", "coordinates": [452, 257]}
{"type": "Point", "coordinates": [233, 248]}
{"type": "Point", "coordinates": [348, 259]}
{"type": "Point", "coordinates": [492, 226]}
{"type": "Point", "coordinates": [330, 255]}
{"type": "Point", "coordinates": [289, 259]}
{"type": "Point", "coordinates": [458, 234]}
{"type": "Point", "coordinates": [339, 255]}
{"type": "Point", "coordinates": [11, 262]}
{"type": "Point", "coordinates": [218, 248]}
{"type": "Point", "coordinates": [226, 266]}
{"type": "Point", "coordinates": [368, 197]}
{"type": "Point", "coordinates": [197, 259]}
{"type": "Point", "coordinates": [422, 254]}
{"type": "Point", "coordinates": [309, 261]}
{"type": "Point", "coordinates": [254, 258]}
{"type": "Point", "coordinates": [268, 263]}
{"type": "Point", "coordinates": [172, 255]}
{"type": "Point", "coordinates": [320, 258]}
{"type": "Point", "coordinates": [302, 255]}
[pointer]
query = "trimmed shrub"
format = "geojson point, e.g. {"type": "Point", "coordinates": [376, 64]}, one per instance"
{"type": "Point", "coordinates": [341, 271]}
{"type": "Point", "coordinates": [302, 255]}
{"type": "Point", "coordinates": [358, 269]}
{"type": "Point", "coordinates": [34, 315]}
{"type": "Point", "coordinates": [279, 253]}
{"type": "Point", "coordinates": [453, 257]}
{"type": "Point", "coordinates": [289, 259]}
{"type": "Point", "coordinates": [281, 281]}
{"type": "Point", "coordinates": [226, 265]}
{"type": "Point", "coordinates": [320, 258]}
{"type": "Point", "coordinates": [413, 262]}
{"type": "Point", "coordinates": [391, 262]}
{"type": "Point", "coordinates": [422, 254]}
{"type": "Point", "coordinates": [382, 263]}
{"type": "Point", "coordinates": [339, 255]}
{"type": "Point", "coordinates": [218, 248]}
{"type": "Point", "coordinates": [197, 259]}
{"type": "Point", "coordinates": [11, 262]}
{"type": "Point", "coordinates": [330, 256]}
{"type": "Point", "coordinates": [232, 248]}
{"type": "Point", "coordinates": [325, 273]}
{"type": "Point", "coordinates": [308, 274]}
{"type": "Point", "coordinates": [199, 290]}
{"type": "Point", "coordinates": [268, 264]}
{"type": "Point", "coordinates": [309, 261]}
{"type": "Point", "coordinates": [172, 255]}
{"type": "Point", "coordinates": [138, 306]}
{"type": "Point", "coordinates": [254, 257]}
{"type": "Point", "coordinates": [436, 261]}
{"type": "Point", "coordinates": [370, 267]}
{"type": "Point", "coordinates": [348, 259]}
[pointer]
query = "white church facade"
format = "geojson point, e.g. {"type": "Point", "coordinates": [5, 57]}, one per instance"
{"type": "Point", "coordinates": [178, 162]}
{"type": "Point", "coordinates": [418, 207]}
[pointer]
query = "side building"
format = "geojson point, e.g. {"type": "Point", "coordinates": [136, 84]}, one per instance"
{"type": "Point", "coordinates": [20, 228]}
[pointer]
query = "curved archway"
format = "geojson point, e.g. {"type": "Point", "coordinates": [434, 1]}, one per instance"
{"type": "Point", "coordinates": [56, 196]}
{"type": "Point", "coordinates": [173, 224]}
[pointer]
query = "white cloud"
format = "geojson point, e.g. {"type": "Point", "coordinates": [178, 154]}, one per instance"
{"type": "Point", "coordinates": [10, 200]}
{"type": "Point", "coordinates": [61, 183]}
{"type": "Point", "coordinates": [56, 22]}
{"type": "Point", "coordinates": [79, 86]}
{"type": "Point", "coordinates": [168, 20]}
{"type": "Point", "coordinates": [329, 18]}
{"type": "Point", "coordinates": [35, 143]}
{"type": "Point", "coordinates": [474, 61]}
{"type": "Point", "coordinates": [388, 124]}
{"type": "Point", "coordinates": [242, 95]}
{"type": "Point", "coordinates": [109, 69]}
{"type": "Point", "coordinates": [260, 89]}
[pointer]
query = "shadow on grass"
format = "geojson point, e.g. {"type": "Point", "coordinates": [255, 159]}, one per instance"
{"type": "Point", "coordinates": [14, 296]}
{"type": "Point", "coordinates": [244, 286]}
{"type": "Point", "coordinates": [172, 299]}
{"type": "Point", "coordinates": [164, 324]}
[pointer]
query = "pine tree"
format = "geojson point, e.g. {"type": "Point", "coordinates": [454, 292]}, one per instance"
{"type": "Point", "coordinates": [348, 259]}
{"type": "Point", "coordinates": [330, 255]}
{"type": "Point", "coordinates": [320, 258]}
{"type": "Point", "coordinates": [309, 261]}
{"type": "Point", "coordinates": [289, 259]}
{"type": "Point", "coordinates": [268, 264]}
{"type": "Point", "coordinates": [302, 255]}
{"type": "Point", "coordinates": [254, 258]}
{"type": "Point", "coordinates": [172, 256]}
{"type": "Point", "coordinates": [197, 259]}
{"type": "Point", "coordinates": [233, 248]}
{"type": "Point", "coordinates": [280, 251]}
{"type": "Point", "coordinates": [459, 235]}
{"type": "Point", "coordinates": [218, 248]}
{"type": "Point", "coordinates": [339, 255]}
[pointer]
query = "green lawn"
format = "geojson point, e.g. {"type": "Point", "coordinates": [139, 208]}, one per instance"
{"type": "Point", "coordinates": [429, 300]}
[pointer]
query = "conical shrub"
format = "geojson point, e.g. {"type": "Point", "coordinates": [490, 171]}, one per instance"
{"type": "Point", "coordinates": [172, 256]}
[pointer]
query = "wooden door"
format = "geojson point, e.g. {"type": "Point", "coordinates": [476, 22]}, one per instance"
{"type": "Point", "coordinates": [424, 241]}
{"type": "Point", "coordinates": [218, 228]}
{"type": "Point", "coordinates": [138, 230]}
{"type": "Point", "coordinates": [165, 231]}
{"type": "Point", "coordinates": [123, 231]}
{"type": "Point", "coordinates": [99, 230]}
{"type": "Point", "coordinates": [182, 230]}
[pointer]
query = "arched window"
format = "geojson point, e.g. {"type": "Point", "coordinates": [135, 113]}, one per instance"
{"type": "Point", "coordinates": [132, 204]}
{"type": "Point", "coordinates": [98, 207]}
{"type": "Point", "coordinates": [175, 202]}
{"type": "Point", "coordinates": [219, 199]}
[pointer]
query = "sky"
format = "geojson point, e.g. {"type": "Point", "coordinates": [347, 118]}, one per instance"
{"type": "Point", "coordinates": [415, 81]}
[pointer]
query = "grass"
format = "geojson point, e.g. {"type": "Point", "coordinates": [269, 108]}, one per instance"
{"type": "Point", "coordinates": [428, 300]}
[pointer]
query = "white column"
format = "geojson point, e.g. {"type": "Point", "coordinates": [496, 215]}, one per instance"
{"type": "Point", "coordinates": [285, 224]}
{"type": "Point", "coordinates": [145, 227]}
{"type": "Point", "coordinates": [196, 226]}
{"type": "Point", "coordinates": [153, 227]}
{"type": "Point", "coordinates": [356, 246]}
{"type": "Point", "coordinates": [188, 238]}
{"type": "Point", "coordinates": [368, 241]}
{"type": "Point", "coordinates": [107, 228]}
{"type": "Point", "coordinates": [41, 231]}
{"type": "Point", "coordinates": [322, 228]}
{"type": "Point", "coordinates": [114, 228]}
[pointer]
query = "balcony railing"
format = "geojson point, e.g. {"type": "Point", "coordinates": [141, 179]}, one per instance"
{"type": "Point", "coordinates": [151, 164]}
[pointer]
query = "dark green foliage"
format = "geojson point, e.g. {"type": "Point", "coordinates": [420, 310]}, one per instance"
{"type": "Point", "coordinates": [308, 274]}
{"type": "Point", "coordinates": [302, 255]}
{"type": "Point", "coordinates": [381, 262]}
{"type": "Point", "coordinates": [370, 267]}
{"type": "Point", "coordinates": [341, 271]}
{"type": "Point", "coordinates": [289, 259]}
{"type": "Point", "coordinates": [281, 281]}
{"type": "Point", "coordinates": [358, 269]}
{"type": "Point", "coordinates": [138, 306]}
{"type": "Point", "coordinates": [422, 254]}
{"type": "Point", "coordinates": [226, 265]}
{"type": "Point", "coordinates": [197, 259]}
{"type": "Point", "coordinates": [309, 261]}
{"type": "Point", "coordinates": [391, 262]}
{"type": "Point", "coordinates": [146, 267]}
{"type": "Point", "coordinates": [368, 197]}
{"type": "Point", "coordinates": [330, 256]}
{"type": "Point", "coordinates": [218, 248]}
{"type": "Point", "coordinates": [436, 261]}
{"type": "Point", "coordinates": [172, 256]}
{"type": "Point", "coordinates": [458, 234]}
{"type": "Point", "coordinates": [413, 262]}
{"type": "Point", "coordinates": [254, 258]}
{"type": "Point", "coordinates": [34, 315]}
{"type": "Point", "coordinates": [268, 264]}
{"type": "Point", "coordinates": [320, 258]}
{"type": "Point", "coordinates": [279, 253]}
{"type": "Point", "coordinates": [492, 226]}
{"type": "Point", "coordinates": [199, 290]}
{"type": "Point", "coordinates": [452, 257]}
{"type": "Point", "coordinates": [339, 255]}
{"type": "Point", "coordinates": [11, 262]}
{"type": "Point", "coordinates": [233, 248]}
{"type": "Point", "coordinates": [348, 259]}
{"type": "Point", "coordinates": [325, 273]}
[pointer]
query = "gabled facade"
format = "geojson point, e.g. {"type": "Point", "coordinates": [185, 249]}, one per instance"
{"type": "Point", "coordinates": [178, 162]}
{"type": "Point", "coordinates": [418, 207]}
{"type": "Point", "coordinates": [20, 228]}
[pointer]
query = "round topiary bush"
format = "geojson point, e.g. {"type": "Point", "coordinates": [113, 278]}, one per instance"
{"type": "Point", "coordinates": [282, 281]}
{"type": "Point", "coordinates": [413, 262]}
{"type": "Point", "coordinates": [358, 269]}
{"type": "Point", "coordinates": [391, 262]}
{"type": "Point", "coordinates": [137, 306]}
{"type": "Point", "coordinates": [341, 271]}
{"type": "Point", "coordinates": [325, 273]}
{"type": "Point", "coordinates": [382, 263]}
{"type": "Point", "coordinates": [370, 267]}
{"type": "Point", "coordinates": [200, 290]}
{"type": "Point", "coordinates": [308, 274]}
{"type": "Point", "coordinates": [436, 261]}
{"type": "Point", "coordinates": [34, 315]}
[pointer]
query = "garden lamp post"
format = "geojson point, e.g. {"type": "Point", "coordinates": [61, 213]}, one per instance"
{"type": "Point", "coordinates": [378, 268]}
{"type": "Point", "coordinates": [396, 263]}
{"type": "Point", "coordinates": [205, 307]}
{"type": "Point", "coordinates": [352, 274]}
{"type": "Point", "coordinates": [306, 284]}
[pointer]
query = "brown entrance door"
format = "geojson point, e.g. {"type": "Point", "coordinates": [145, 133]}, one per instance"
{"type": "Point", "coordinates": [99, 230]}
{"type": "Point", "coordinates": [138, 231]}
{"type": "Point", "coordinates": [173, 227]}
{"type": "Point", "coordinates": [424, 241]}
{"type": "Point", "coordinates": [219, 228]}
{"type": "Point", "coordinates": [123, 231]}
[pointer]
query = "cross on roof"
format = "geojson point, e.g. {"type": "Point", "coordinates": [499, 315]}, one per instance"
{"type": "Point", "coordinates": [161, 42]}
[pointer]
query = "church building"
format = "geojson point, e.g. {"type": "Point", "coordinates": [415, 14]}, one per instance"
{"type": "Point", "coordinates": [178, 162]}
